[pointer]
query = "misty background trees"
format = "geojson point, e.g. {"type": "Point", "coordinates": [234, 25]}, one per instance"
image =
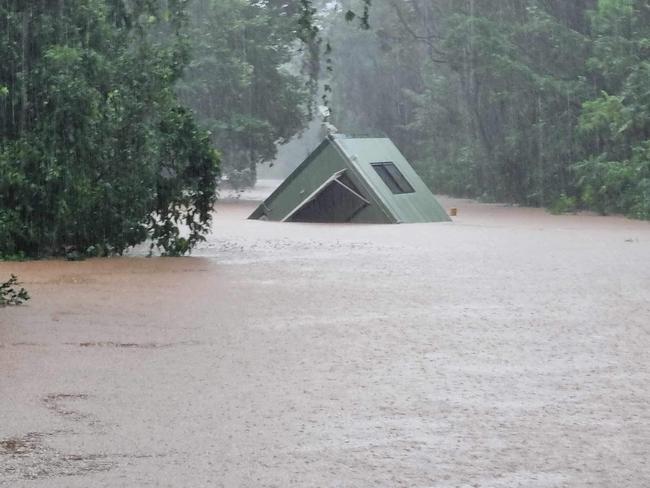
{"type": "Point", "coordinates": [114, 114]}
{"type": "Point", "coordinates": [244, 81]}
{"type": "Point", "coordinates": [539, 102]}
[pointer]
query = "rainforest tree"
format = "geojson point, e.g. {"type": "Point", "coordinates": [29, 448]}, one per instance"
{"type": "Point", "coordinates": [615, 123]}
{"type": "Point", "coordinates": [525, 101]}
{"type": "Point", "coordinates": [244, 82]}
{"type": "Point", "coordinates": [96, 152]}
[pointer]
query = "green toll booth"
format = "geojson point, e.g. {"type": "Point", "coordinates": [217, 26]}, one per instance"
{"type": "Point", "coordinates": [361, 180]}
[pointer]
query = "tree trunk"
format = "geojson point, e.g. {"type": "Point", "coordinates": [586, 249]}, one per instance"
{"type": "Point", "coordinates": [24, 67]}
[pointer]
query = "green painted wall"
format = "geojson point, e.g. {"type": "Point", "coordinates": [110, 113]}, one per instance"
{"type": "Point", "coordinates": [310, 175]}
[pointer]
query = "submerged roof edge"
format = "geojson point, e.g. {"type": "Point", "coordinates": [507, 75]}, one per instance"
{"type": "Point", "coordinates": [420, 207]}
{"type": "Point", "coordinates": [406, 208]}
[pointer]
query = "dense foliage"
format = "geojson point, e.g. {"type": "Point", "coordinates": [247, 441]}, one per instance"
{"type": "Point", "coordinates": [615, 124]}
{"type": "Point", "coordinates": [241, 82]}
{"type": "Point", "coordinates": [528, 101]}
{"type": "Point", "coordinates": [96, 152]}
{"type": "Point", "coordinates": [110, 110]}
{"type": "Point", "coordinates": [11, 293]}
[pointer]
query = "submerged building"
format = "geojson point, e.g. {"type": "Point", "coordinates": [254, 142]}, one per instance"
{"type": "Point", "coordinates": [363, 180]}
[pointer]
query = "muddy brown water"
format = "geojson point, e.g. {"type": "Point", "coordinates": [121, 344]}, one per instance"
{"type": "Point", "coordinates": [509, 348]}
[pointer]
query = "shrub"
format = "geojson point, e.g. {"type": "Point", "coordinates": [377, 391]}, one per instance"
{"type": "Point", "coordinates": [11, 294]}
{"type": "Point", "coordinates": [563, 204]}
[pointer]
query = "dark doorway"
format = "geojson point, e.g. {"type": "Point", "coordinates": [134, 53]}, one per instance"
{"type": "Point", "coordinates": [337, 202]}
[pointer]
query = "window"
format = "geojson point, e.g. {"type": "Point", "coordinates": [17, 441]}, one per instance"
{"type": "Point", "coordinates": [393, 178]}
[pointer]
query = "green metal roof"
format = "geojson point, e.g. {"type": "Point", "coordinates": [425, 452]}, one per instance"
{"type": "Point", "coordinates": [356, 155]}
{"type": "Point", "coordinates": [419, 206]}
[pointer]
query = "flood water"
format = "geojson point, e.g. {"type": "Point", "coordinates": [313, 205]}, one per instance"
{"type": "Point", "coordinates": [508, 348]}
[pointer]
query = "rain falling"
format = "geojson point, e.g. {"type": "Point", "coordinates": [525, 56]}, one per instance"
{"type": "Point", "coordinates": [262, 243]}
